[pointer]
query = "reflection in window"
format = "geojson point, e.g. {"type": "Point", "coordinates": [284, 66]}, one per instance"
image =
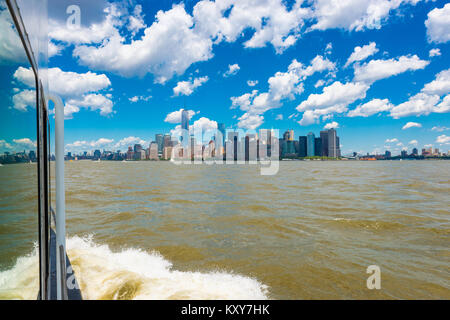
{"type": "Point", "coordinates": [19, 262]}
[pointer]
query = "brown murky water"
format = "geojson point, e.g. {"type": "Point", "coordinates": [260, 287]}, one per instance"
{"type": "Point", "coordinates": [158, 230]}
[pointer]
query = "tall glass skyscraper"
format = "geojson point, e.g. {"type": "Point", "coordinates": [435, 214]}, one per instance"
{"type": "Point", "coordinates": [185, 127]}
{"type": "Point", "coordinates": [310, 141]}
{"type": "Point", "coordinates": [318, 147]}
{"type": "Point", "coordinates": [185, 119]}
{"type": "Point", "coordinates": [302, 146]}
{"type": "Point", "coordinates": [159, 141]}
{"type": "Point", "coordinates": [324, 143]}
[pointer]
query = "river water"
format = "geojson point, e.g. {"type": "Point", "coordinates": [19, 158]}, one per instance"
{"type": "Point", "coordinates": [156, 230]}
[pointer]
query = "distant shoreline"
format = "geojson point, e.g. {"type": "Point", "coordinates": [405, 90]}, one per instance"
{"type": "Point", "coordinates": [242, 161]}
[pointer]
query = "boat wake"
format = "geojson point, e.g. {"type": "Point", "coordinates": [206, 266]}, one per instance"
{"type": "Point", "coordinates": [129, 274]}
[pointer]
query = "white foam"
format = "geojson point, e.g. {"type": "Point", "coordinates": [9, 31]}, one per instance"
{"type": "Point", "coordinates": [136, 274]}
{"type": "Point", "coordinates": [22, 280]}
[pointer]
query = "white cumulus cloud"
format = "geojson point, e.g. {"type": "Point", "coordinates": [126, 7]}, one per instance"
{"type": "Point", "coordinates": [25, 143]}
{"type": "Point", "coordinates": [77, 89]}
{"type": "Point", "coordinates": [82, 145]}
{"type": "Point", "coordinates": [372, 107]}
{"type": "Point", "coordinates": [232, 70]}
{"type": "Point", "coordinates": [439, 128]}
{"type": "Point", "coordinates": [17, 145]}
{"type": "Point", "coordinates": [136, 20]}
{"type": "Point", "coordinates": [443, 139]}
{"type": "Point", "coordinates": [439, 86]}
{"type": "Point", "coordinates": [331, 125]}
{"type": "Point", "coordinates": [250, 121]}
{"type": "Point", "coordinates": [24, 99]}
{"type": "Point", "coordinates": [419, 104]}
{"type": "Point", "coordinates": [124, 143]}
{"type": "Point", "coordinates": [438, 24]}
{"type": "Point", "coordinates": [334, 99]}
{"type": "Point", "coordinates": [92, 101]}
{"type": "Point", "coordinates": [139, 98]}
{"type": "Point", "coordinates": [443, 106]}
{"type": "Point", "coordinates": [411, 125]}
{"type": "Point", "coordinates": [428, 99]}
{"type": "Point", "coordinates": [168, 47]}
{"type": "Point", "coordinates": [282, 85]}
{"type": "Point", "coordinates": [362, 53]}
{"type": "Point", "coordinates": [355, 15]}
{"type": "Point", "coordinates": [187, 87]}
{"type": "Point", "coordinates": [175, 116]}
{"type": "Point", "coordinates": [380, 69]}
{"type": "Point", "coordinates": [177, 39]}
{"type": "Point", "coordinates": [434, 52]}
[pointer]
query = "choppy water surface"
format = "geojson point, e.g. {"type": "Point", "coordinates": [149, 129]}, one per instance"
{"type": "Point", "coordinates": [158, 230]}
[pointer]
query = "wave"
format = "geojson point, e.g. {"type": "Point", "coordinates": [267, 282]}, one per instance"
{"type": "Point", "coordinates": [21, 282]}
{"type": "Point", "coordinates": [129, 274]}
{"type": "Point", "coordinates": [368, 224]}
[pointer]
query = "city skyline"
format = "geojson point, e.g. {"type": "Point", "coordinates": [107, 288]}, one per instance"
{"type": "Point", "coordinates": [326, 145]}
{"type": "Point", "coordinates": [382, 80]}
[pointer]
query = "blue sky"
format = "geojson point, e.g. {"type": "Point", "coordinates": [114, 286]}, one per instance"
{"type": "Point", "coordinates": [134, 64]}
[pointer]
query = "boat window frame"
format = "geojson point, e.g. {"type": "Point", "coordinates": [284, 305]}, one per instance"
{"type": "Point", "coordinates": [43, 174]}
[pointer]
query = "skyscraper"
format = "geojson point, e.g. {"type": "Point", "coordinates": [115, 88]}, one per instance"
{"type": "Point", "coordinates": [291, 135]}
{"type": "Point", "coordinates": [221, 128]}
{"type": "Point", "coordinates": [318, 147]}
{"type": "Point", "coordinates": [167, 140]}
{"type": "Point", "coordinates": [287, 146]}
{"type": "Point", "coordinates": [192, 144]}
{"type": "Point", "coordinates": [137, 151]}
{"type": "Point", "coordinates": [302, 145]}
{"type": "Point", "coordinates": [404, 154]}
{"type": "Point", "coordinates": [97, 154]}
{"type": "Point", "coordinates": [137, 147]}
{"type": "Point", "coordinates": [324, 138]}
{"type": "Point", "coordinates": [333, 149]}
{"type": "Point", "coordinates": [159, 141]}
{"type": "Point", "coordinates": [185, 127]}
{"type": "Point", "coordinates": [185, 119]}
{"type": "Point", "coordinates": [290, 147]}
{"type": "Point", "coordinates": [264, 135]}
{"type": "Point", "coordinates": [265, 141]}
{"type": "Point", "coordinates": [167, 153]}
{"type": "Point", "coordinates": [130, 153]}
{"type": "Point", "coordinates": [310, 144]}
{"type": "Point", "coordinates": [247, 148]}
{"type": "Point", "coordinates": [232, 145]}
{"type": "Point", "coordinates": [283, 147]}
{"type": "Point", "coordinates": [153, 151]}
{"type": "Point", "coordinates": [338, 147]}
